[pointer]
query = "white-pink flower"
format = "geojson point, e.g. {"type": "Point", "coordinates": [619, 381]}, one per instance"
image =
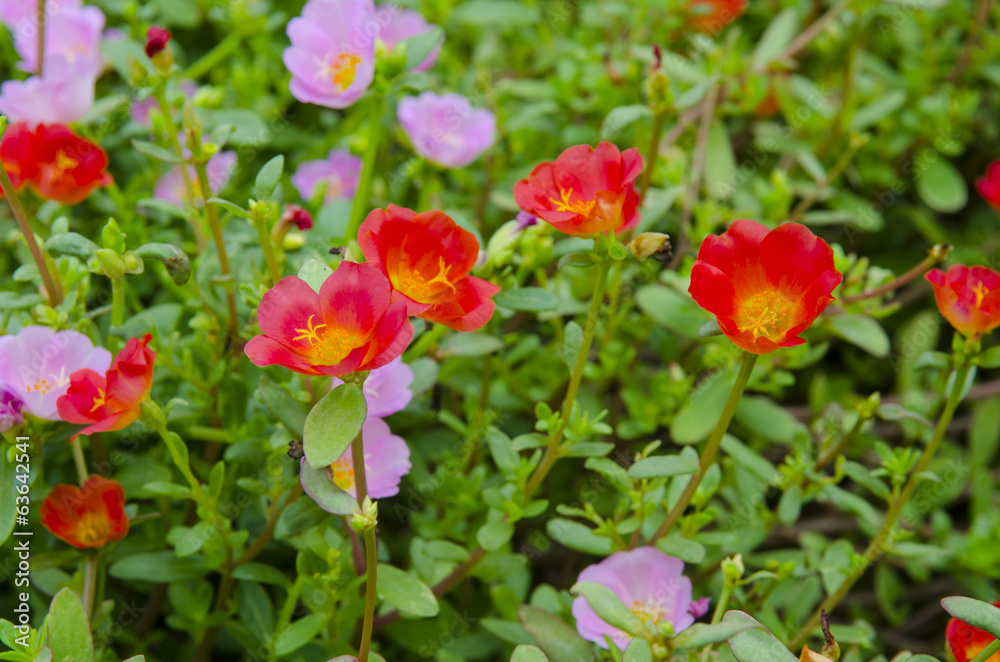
{"type": "Point", "coordinates": [332, 56]}
{"type": "Point", "coordinates": [220, 169]}
{"type": "Point", "coordinates": [446, 129]}
{"type": "Point", "coordinates": [340, 171]}
{"type": "Point", "coordinates": [401, 24]}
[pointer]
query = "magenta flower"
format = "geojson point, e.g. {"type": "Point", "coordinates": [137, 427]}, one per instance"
{"type": "Point", "coordinates": [47, 100]}
{"type": "Point", "coordinates": [220, 169]}
{"type": "Point", "coordinates": [10, 409]}
{"type": "Point", "coordinates": [72, 44]}
{"type": "Point", "coordinates": [22, 15]}
{"type": "Point", "coordinates": [650, 583]}
{"type": "Point", "coordinates": [340, 170]}
{"type": "Point", "coordinates": [445, 129]}
{"type": "Point", "coordinates": [387, 389]}
{"type": "Point", "coordinates": [403, 24]}
{"type": "Point", "coordinates": [387, 460]}
{"type": "Point", "coordinates": [140, 109]}
{"type": "Point", "coordinates": [332, 56]}
{"type": "Point", "coordinates": [35, 365]}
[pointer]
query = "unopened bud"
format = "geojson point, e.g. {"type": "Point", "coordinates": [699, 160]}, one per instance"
{"type": "Point", "coordinates": [732, 568]}
{"type": "Point", "coordinates": [112, 237]}
{"type": "Point", "coordinates": [157, 49]}
{"type": "Point", "coordinates": [651, 244]}
{"type": "Point", "coordinates": [133, 263]}
{"type": "Point", "coordinates": [297, 216]}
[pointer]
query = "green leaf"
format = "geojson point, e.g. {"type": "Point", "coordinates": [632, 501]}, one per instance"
{"type": "Point", "coordinates": [471, 344]}
{"type": "Point", "coordinates": [558, 640]}
{"type": "Point", "coordinates": [158, 566]}
{"type": "Point", "coordinates": [168, 208]}
{"type": "Point", "coordinates": [506, 458]}
{"type": "Point", "coordinates": [942, 187]}
{"type": "Point", "coordinates": [767, 419]}
{"type": "Point", "coordinates": [622, 117]}
{"type": "Point", "coordinates": [333, 423]}
{"type": "Point", "coordinates": [325, 493]}
{"type": "Point", "coordinates": [638, 650]}
{"type": "Point", "coordinates": [405, 592]}
{"type": "Point", "coordinates": [231, 207]}
{"type": "Point", "coordinates": [315, 273]}
{"type": "Point", "coordinates": [755, 644]}
{"type": "Point", "coordinates": [891, 411]}
{"type": "Point", "coordinates": [572, 340]}
{"type": "Point", "coordinates": [299, 633]}
{"type": "Point", "coordinates": [790, 505]}
{"type": "Point", "coordinates": [525, 653]}
{"type": "Point", "coordinates": [174, 260]}
{"type": "Point", "coordinates": [984, 435]}
{"type": "Point", "coordinates": [285, 408]}
{"type": "Point", "coordinates": [7, 497]}
{"type": "Point", "coordinates": [864, 332]}
{"type": "Point", "coordinates": [687, 550]}
{"type": "Point", "coordinates": [608, 606]}
{"type": "Point", "coordinates": [702, 634]}
{"type": "Point", "coordinates": [672, 310]}
{"type": "Point", "coordinates": [420, 46]}
{"type": "Point", "coordinates": [532, 299]}
{"type": "Point", "coordinates": [578, 536]}
{"type": "Point", "coordinates": [720, 163]}
{"type": "Point", "coordinates": [495, 532]}
{"type": "Point", "coordinates": [71, 243]}
{"type": "Point", "coordinates": [976, 613]}
{"type": "Point", "coordinates": [701, 412]}
{"type": "Point", "coordinates": [988, 359]}
{"type": "Point", "coordinates": [261, 573]}
{"type": "Point", "coordinates": [69, 629]}
{"type": "Point", "coordinates": [155, 151]}
{"type": "Point", "coordinates": [779, 33]}
{"type": "Point", "coordinates": [268, 177]}
{"type": "Point", "coordinates": [508, 631]}
{"type": "Point", "coordinates": [662, 466]}
{"type": "Point", "coordinates": [879, 109]}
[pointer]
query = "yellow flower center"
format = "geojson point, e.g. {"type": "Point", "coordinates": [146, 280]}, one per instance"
{"type": "Point", "coordinates": [766, 315]}
{"type": "Point", "coordinates": [583, 207]}
{"type": "Point", "coordinates": [92, 528]}
{"type": "Point", "coordinates": [981, 293]}
{"type": "Point", "coordinates": [64, 162]}
{"type": "Point", "coordinates": [648, 611]}
{"type": "Point", "coordinates": [419, 288]}
{"type": "Point", "coordinates": [98, 401]}
{"type": "Point", "coordinates": [46, 385]}
{"type": "Point", "coordinates": [328, 347]}
{"type": "Point", "coordinates": [342, 472]}
{"type": "Point", "coordinates": [338, 69]}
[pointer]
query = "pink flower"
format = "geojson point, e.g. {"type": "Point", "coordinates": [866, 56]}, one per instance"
{"type": "Point", "coordinates": [72, 44]}
{"type": "Point", "coordinates": [340, 171]}
{"type": "Point", "coordinates": [47, 100]}
{"type": "Point", "coordinates": [403, 24]}
{"type": "Point", "coordinates": [10, 409]}
{"type": "Point", "coordinates": [36, 365]}
{"type": "Point", "coordinates": [22, 15]}
{"type": "Point", "coordinates": [387, 460]}
{"type": "Point", "coordinates": [332, 56]}
{"type": "Point", "coordinates": [446, 129]}
{"type": "Point", "coordinates": [387, 389]}
{"type": "Point", "coordinates": [648, 582]}
{"type": "Point", "coordinates": [219, 168]}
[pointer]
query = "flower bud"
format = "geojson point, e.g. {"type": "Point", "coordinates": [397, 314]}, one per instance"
{"type": "Point", "coordinates": [112, 237]}
{"type": "Point", "coordinates": [111, 263]}
{"type": "Point", "coordinates": [297, 216]}
{"type": "Point", "coordinates": [293, 241]}
{"type": "Point", "coordinates": [157, 49]}
{"type": "Point", "coordinates": [651, 244]}
{"type": "Point", "coordinates": [732, 568]}
{"type": "Point", "coordinates": [133, 263]}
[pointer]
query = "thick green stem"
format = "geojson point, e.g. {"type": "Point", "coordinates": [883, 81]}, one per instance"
{"type": "Point", "coordinates": [883, 540]}
{"type": "Point", "coordinates": [987, 652]}
{"type": "Point", "coordinates": [214, 57]}
{"type": "Point", "coordinates": [89, 584]}
{"type": "Point", "coordinates": [117, 301]}
{"type": "Point", "coordinates": [371, 561]}
{"type": "Point", "coordinates": [425, 341]}
{"type": "Point", "coordinates": [841, 445]}
{"type": "Point", "coordinates": [81, 464]}
{"type": "Point", "coordinates": [556, 437]}
{"type": "Point", "coordinates": [52, 286]}
{"type": "Point", "coordinates": [358, 459]}
{"type": "Point", "coordinates": [160, 94]}
{"type": "Point", "coordinates": [652, 153]}
{"type": "Point", "coordinates": [220, 246]}
{"type": "Point", "coordinates": [180, 458]}
{"type": "Point", "coordinates": [265, 243]}
{"type": "Point", "coordinates": [363, 194]}
{"type": "Point", "coordinates": [712, 447]}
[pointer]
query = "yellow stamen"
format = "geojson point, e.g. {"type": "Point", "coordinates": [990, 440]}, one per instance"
{"type": "Point", "coordinates": [579, 207]}
{"type": "Point", "coordinates": [766, 315]}
{"type": "Point", "coordinates": [98, 401]}
{"type": "Point", "coordinates": [64, 162]}
{"type": "Point", "coordinates": [981, 293]}
{"type": "Point", "coordinates": [339, 69]}
{"type": "Point", "coordinates": [311, 333]}
{"type": "Point", "coordinates": [418, 288]}
{"type": "Point", "coordinates": [342, 473]}
{"type": "Point", "coordinates": [92, 528]}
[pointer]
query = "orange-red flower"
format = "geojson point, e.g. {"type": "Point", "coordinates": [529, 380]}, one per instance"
{"type": "Point", "coordinates": [712, 15]}
{"type": "Point", "coordinates": [350, 326]}
{"type": "Point", "coordinates": [968, 297]}
{"type": "Point", "coordinates": [17, 155]}
{"type": "Point", "coordinates": [427, 257]}
{"type": "Point", "coordinates": [989, 186]}
{"type": "Point", "coordinates": [585, 191]}
{"type": "Point", "coordinates": [111, 401]}
{"type": "Point", "coordinates": [966, 642]}
{"type": "Point", "coordinates": [69, 167]}
{"type": "Point", "coordinates": [764, 287]}
{"type": "Point", "coordinates": [89, 517]}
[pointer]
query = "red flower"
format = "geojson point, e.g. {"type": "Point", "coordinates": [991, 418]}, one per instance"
{"type": "Point", "coordinates": [297, 216]}
{"type": "Point", "coordinates": [427, 257]}
{"type": "Point", "coordinates": [17, 153]}
{"type": "Point", "coordinates": [989, 186]}
{"type": "Point", "coordinates": [69, 167]}
{"type": "Point", "coordinates": [156, 40]}
{"type": "Point", "coordinates": [712, 15]}
{"type": "Point", "coordinates": [764, 287]}
{"type": "Point", "coordinates": [350, 326]}
{"type": "Point", "coordinates": [968, 297]}
{"type": "Point", "coordinates": [966, 642]}
{"type": "Point", "coordinates": [111, 401]}
{"type": "Point", "coordinates": [88, 517]}
{"type": "Point", "coordinates": [585, 191]}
